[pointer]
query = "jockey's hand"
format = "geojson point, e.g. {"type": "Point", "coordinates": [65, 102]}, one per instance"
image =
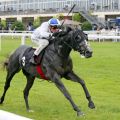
{"type": "Point", "coordinates": [62, 33]}
{"type": "Point", "coordinates": [55, 34]}
{"type": "Point", "coordinates": [59, 34]}
{"type": "Point", "coordinates": [51, 37]}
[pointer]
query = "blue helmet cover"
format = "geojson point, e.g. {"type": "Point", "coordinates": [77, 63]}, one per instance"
{"type": "Point", "coordinates": [54, 22]}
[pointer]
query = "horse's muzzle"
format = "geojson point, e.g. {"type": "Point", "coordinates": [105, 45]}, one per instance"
{"type": "Point", "coordinates": [88, 54]}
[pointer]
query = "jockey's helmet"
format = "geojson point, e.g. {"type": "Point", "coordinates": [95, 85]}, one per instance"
{"type": "Point", "coordinates": [54, 22]}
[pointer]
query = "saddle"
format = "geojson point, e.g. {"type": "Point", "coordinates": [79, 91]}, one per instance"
{"type": "Point", "coordinates": [29, 53]}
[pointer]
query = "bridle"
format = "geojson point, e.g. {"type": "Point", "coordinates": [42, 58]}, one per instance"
{"type": "Point", "coordinates": [75, 37]}
{"type": "Point", "coordinates": [74, 41]}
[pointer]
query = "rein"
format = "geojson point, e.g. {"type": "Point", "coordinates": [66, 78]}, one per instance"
{"type": "Point", "coordinates": [69, 39]}
{"type": "Point", "coordinates": [70, 46]}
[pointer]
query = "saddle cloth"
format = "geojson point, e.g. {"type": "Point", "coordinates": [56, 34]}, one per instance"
{"type": "Point", "coordinates": [26, 64]}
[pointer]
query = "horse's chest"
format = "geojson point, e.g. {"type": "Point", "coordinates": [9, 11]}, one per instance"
{"type": "Point", "coordinates": [62, 66]}
{"type": "Point", "coordinates": [57, 63]}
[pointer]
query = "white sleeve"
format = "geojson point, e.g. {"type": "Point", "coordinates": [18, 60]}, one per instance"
{"type": "Point", "coordinates": [44, 30]}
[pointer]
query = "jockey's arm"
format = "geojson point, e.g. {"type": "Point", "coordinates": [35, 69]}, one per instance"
{"type": "Point", "coordinates": [44, 30]}
{"type": "Point", "coordinates": [45, 34]}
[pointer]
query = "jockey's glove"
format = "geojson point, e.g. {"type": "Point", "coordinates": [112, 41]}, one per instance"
{"type": "Point", "coordinates": [55, 34]}
{"type": "Point", "coordinates": [59, 34]}
{"type": "Point", "coordinates": [51, 37]}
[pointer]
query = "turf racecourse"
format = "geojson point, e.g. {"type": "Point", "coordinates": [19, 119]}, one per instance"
{"type": "Point", "coordinates": [101, 74]}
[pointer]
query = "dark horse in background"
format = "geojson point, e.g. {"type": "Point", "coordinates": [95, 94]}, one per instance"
{"type": "Point", "coordinates": [55, 64]}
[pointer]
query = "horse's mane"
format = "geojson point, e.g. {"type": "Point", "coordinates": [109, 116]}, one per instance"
{"type": "Point", "coordinates": [62, 33]}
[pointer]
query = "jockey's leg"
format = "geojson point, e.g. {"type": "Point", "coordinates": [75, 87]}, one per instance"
{"type": "Point", "coordinates": [42, 44]}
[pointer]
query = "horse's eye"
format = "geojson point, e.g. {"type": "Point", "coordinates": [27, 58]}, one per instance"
{"type": "Point", "coordinates": [79, 36]}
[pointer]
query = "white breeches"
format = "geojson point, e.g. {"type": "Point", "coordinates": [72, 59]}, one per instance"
{"type": "Point", "coordinates": [42, 43]}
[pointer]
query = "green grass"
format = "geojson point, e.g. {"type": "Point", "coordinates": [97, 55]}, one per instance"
{"type": "Point", "coordinates": [101, 74]}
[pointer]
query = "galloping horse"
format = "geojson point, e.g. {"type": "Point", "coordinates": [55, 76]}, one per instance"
{"type": "Point", "coordinates": [54, 64]}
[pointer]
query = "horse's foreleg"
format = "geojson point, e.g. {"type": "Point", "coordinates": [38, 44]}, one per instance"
{"type": "Point", "coordinates": [62, 88]}
{"type": "Point", "coordinates": [72, 76]}
{"type": "Point", "coordinates": [30, 81]}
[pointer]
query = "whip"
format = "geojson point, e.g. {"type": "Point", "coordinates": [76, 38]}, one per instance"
{"type": "Point", "coordinates": [68, 14]}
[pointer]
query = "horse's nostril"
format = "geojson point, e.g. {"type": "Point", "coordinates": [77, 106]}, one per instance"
{"type": "Point", "coordinates": [87, 52]}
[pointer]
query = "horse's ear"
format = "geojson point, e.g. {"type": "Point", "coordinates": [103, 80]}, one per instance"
{"type": "Point", "coordinates": [86, 35]}
{"type": "Point", "coordinates": [68, 29]}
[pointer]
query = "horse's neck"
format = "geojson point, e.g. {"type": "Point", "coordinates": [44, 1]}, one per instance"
{"type": "Point", "coordinates": [63, 50]}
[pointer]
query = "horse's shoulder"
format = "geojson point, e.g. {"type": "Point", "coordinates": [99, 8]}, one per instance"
{"type": "Point", "coordinates": [50, 46]}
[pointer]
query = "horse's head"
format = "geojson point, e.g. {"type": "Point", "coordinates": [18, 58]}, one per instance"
{"type": "Point", "coordinates": [74, 39]}
{"type": "Point", "coordinates": [79, 42]}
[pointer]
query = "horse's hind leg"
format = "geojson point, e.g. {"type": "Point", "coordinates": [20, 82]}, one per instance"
{"type": "Point", "coordinates": [30, 81]}
{"type": "Point", "coordinates": [10, 74]}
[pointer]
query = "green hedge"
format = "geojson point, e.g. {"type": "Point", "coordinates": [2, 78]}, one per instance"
{"type": "Point", "coordinates": [17, 25]}
{"type": "Point", "coordinates": [86, 26]}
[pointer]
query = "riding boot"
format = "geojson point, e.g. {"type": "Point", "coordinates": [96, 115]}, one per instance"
{"type": "Point", "coordinates": [36, 53]}
{"type": "Point", "coordinates": [43, 43]}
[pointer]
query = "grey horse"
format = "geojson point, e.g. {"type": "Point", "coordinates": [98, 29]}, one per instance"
{"type": "Point", "coordinates": [55, 64]}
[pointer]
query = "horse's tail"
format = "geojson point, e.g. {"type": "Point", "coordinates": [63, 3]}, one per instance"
{"type": "Point", "coordinates": [6, 62]}
{"type": "Point", "coordinates": [12, 62]}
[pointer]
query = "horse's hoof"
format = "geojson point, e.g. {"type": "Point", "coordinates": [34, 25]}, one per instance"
{"type": "Point", "coordinates": [30, 111]}
{"type": "Point", "coordinates": [80, 114]}
{"type": "Point", "coordinates": [1, 101]}
{"type": "Point", "coordinates": [91, 105]}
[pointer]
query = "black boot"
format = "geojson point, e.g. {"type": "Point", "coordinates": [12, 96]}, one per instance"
{"type": "Point", "coordinates": [32, 60]}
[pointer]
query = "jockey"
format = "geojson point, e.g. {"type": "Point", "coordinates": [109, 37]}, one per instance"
{"type": "Point", "coordinates": [42, 33]}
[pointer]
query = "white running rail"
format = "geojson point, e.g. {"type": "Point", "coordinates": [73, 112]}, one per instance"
{"type": "Point", "coordinates": [11, 116]}
{"type": "Point", "coordinates": [22, 35]}
{"type": "Point", "coordinates": [92, 35]}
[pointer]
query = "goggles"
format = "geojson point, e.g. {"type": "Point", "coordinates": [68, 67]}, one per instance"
{"type": "Point", "coordinates": [54, 27]}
